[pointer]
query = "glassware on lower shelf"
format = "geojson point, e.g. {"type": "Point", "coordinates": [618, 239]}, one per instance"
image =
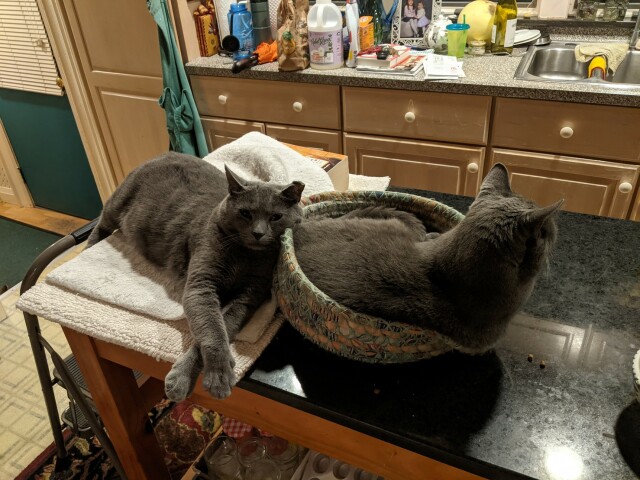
{"type": "Point", "coordinates": [622, 8]}
{"type": "Point", "coordinates": [587, 9]}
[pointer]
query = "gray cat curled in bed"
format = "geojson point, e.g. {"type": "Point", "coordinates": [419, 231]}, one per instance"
{"type": "Point", "coordinates": [466, 283]}
{"type": "Point", "coordinates": [217, 236]}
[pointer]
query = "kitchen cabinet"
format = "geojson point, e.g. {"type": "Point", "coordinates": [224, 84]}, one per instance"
{"type": "Point", "coordinates": [220, 131]}
{"type": "Point", "coordinates": [417, 164]}
{"type": "Point", "coordinates": [587, 186]}
{"type": "Point", "coordinates": [421, 115]}
{"type": "Point", "coordinates": [587, 154]}
{"type": "Point", "coordinates": [592, 131]}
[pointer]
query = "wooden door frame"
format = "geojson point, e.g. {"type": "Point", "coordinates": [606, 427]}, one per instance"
{"type": "Point", "coordinates": [19, 192]}
{"type": "Point", "coordinates": [66, 57]}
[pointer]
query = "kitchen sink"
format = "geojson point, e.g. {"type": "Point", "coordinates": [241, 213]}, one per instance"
{"type": "Point", "coordinates": [556, 62]}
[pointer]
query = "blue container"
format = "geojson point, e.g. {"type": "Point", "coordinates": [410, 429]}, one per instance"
{"type": "Point", "coordinates": [240, 26]}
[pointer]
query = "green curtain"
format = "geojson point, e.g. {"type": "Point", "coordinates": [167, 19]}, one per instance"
{"type": "Point", "coordinates": [183, 121]}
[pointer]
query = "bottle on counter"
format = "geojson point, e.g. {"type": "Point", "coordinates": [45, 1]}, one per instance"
{"type": "Point", "coordinates": [240, 26]}
{"type": "Point", "coordinates": [325, 36]}
{"type": "Point", "coordinates": [261, 22]}
{"type": "Point", "coordinates": [504, 27]}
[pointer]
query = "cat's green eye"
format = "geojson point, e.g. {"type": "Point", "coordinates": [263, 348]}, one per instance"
{"type": "Point", "coordinates": [275, 217]}
{"type": "Point", "coordinates": [245, 213]}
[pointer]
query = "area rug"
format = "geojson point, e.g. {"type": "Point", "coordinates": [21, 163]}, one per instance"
{"type": "Point", "coordinates": [182, 429]}
{"type": "Point", "coordinates": [19, 246]}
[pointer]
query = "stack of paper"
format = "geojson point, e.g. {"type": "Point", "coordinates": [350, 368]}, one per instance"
{"type": "Point", "coordinates": [410, 66]}
{"type": "Point", "coordinates": [442, 67]}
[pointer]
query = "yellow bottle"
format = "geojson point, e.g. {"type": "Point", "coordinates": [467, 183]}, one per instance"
{"type": "Point", "coordinates": [504, 27]}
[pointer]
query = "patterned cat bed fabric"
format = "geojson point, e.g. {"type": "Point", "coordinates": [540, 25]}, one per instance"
{"type": "Point", "coordinates": [335, 327]}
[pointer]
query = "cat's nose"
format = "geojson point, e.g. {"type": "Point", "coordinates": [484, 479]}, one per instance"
{"type": "Point", "coordinates": [258, 235]}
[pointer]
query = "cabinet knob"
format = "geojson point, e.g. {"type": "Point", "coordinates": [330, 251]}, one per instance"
{"type": "Point", "coordinates": [297, 106]}
{"type": "Point", "coordinates": [409, 117]}
{"type": "Point", "coordinates": [625, 187]}
{"type": "Point", "coordinates": [472, 168]}
{"type": "Point", "coordinates": [566, 132]}
{"type": "Point", "coordinates": [222, 99]}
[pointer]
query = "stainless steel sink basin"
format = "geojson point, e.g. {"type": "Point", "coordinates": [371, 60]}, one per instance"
{"type": "Point", "coordinates": [556, 62]}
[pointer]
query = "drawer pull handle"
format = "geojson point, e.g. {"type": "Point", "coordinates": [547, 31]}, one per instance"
{"type": "Point", "coordinates": [222, 99]}
{"type": "Point", "coordinates": [297, 106]}
{"type": "Point", "coordinates": [625, 187]}
{"type": "Point", "coordinates": [409, 117]}
{"type": "Point", "coordinates": [566, 132]}
{"type": "Point", "coordinates": [472, 168]}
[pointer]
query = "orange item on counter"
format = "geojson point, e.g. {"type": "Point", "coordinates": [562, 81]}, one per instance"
{"type": "Point", "coordinates": [365, 32]}
{"type": "Point", "coordinates": [267, 52]}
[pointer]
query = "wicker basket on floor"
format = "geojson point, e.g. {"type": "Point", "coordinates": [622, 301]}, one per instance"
{"type": "Point", "coordinates": [335, 327]}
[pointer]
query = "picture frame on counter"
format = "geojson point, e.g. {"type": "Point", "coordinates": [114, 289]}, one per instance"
{"type": "Point", "coordinates": [412, 19]}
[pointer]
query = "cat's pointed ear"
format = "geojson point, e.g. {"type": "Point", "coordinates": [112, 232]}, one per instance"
{"type": "Point", "coordinates": [496, 181]}
{"type": "Point", "coordinates": [536, 217]}
{"type": "Point", "coordinates": [292, 193]}
{"type": "Point", "coordinates": [236, 184]}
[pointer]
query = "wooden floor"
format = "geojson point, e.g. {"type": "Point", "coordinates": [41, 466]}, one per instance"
{"type": "Point", "coordinates": [48, 220]}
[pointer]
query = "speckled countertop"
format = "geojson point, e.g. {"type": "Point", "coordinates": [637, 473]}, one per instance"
{"type": "Point", "coordinates": [486, 75]}
{"type": "Point", "coordinates": [499, 415]}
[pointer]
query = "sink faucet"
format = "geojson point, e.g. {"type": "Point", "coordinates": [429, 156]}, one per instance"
{"type": "Point", "coordinates": [636, 32]}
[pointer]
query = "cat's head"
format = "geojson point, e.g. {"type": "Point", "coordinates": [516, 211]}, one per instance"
{"type": "Point", "coordinates": [258, 213]}
{"type": "Point", "coordinates": [522, 232]}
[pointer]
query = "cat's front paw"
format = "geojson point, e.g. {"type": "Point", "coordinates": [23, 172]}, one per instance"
{"type": "Point", "coordinates": [177, 385]}
{"type": "Point", "coordinates": [218, 376]}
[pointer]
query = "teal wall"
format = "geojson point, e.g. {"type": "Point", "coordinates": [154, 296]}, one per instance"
{"type": "Point", "coordinates": [47, 145]}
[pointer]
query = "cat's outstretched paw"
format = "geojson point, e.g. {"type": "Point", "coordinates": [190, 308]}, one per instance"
{"type": "Point", "coordinates": [183, 376]}
{"type": "Point", "coordinates": [218, 376]}
{"type": "Point", "coordinates": [178, 385]}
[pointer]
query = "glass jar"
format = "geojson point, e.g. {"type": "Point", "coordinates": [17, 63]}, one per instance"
{"type": "Point", "coordinates": [610, 11]}
{"type": "Point", "coordinates": [250, 450]}
{"type": "Point", "coordinates": [622, 8]}
{"type": "Point", "coordinates": [587, 9]}
{"type": "Point", "coordinates": [284, 454]}
{"type": "Point", "coordinates": [264, 469]}
{"type": "Point", "coordinates": [478, 47]}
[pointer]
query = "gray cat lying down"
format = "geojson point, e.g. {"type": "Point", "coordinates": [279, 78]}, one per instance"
{"type": "Point", "coordinates": [466, 283]}
{"type": "Point", "coordinates": [218, 238]}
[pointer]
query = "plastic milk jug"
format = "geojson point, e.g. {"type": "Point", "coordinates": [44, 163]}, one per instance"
{"type": "Point", "coordinates": [324, 23]}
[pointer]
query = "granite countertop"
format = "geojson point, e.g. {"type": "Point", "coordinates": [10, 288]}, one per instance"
{"type": "Point", "coordinates": [499, 415]}
{"type": "Point", "coordinates": [485, 75]}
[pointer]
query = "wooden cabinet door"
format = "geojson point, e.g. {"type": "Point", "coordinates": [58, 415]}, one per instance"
{"type": "Point", "coordinates": [117, 46]}
{"type": "Point", "coordinates": [327, 140]}
{"type": "Point", "coordinates": [220, 131]}
{"type": "Point", "coordinates": [588, 186]}
{"type": "Point", "coordinates": [415, 164]}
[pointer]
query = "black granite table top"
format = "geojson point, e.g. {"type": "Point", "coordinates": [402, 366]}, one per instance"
{"type": "Point", "coordinates": [499, 415]}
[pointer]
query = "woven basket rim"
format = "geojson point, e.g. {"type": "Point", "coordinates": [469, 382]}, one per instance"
{"type": "Point", "coordinates": [356, 197]}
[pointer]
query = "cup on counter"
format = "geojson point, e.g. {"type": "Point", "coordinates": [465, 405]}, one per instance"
{"type": "Point", "coordinates": [457, 36]}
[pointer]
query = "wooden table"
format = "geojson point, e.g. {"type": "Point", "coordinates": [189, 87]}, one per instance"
{"type": "Point", "coordinates": [123, 405]}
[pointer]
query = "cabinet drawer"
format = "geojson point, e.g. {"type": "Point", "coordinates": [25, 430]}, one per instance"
{"type": "Point", "coordinates": [428, 116]}
{"type": "Point", "coordinates": [568, 128]}
{"type": "Point", "coordinates": [415, 164]}
{"type": "Point", "coordinates": [220, 131]}
{"type": "Point", "coordinates": [327, 140]}
{"type": "Point", "coordinates": [588, 186]}
{"type": "Point", "coordinates": [266, 101]}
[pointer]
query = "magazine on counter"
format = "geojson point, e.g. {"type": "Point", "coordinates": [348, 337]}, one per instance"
{"type": "Point", "coordinates": [409, 67]}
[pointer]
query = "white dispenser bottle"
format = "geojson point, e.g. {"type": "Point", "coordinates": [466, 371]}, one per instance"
{"type": "Point", "coordinates": [324, 24]}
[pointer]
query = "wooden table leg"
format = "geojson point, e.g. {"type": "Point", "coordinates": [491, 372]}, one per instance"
{"type": "Point", "coordinates": [120, 403]}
